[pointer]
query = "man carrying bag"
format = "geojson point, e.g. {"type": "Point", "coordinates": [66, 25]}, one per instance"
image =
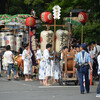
{"type": "Point", "coordinates": [83, 62]}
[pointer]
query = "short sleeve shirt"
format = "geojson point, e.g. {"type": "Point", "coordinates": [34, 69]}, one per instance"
{"type": "Point", "coordinates": [79, 60]}
{"type": "Point", "coordinates": [8, 54]}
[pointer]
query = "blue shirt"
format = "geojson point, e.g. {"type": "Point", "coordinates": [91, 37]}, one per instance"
{"type": "Point", "coordinates": [79, 60]}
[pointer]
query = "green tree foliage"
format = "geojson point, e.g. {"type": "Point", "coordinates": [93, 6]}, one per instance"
{"type": "Point", "coordinates": [91, 31]}
{"type": "Point", "coordinates": [91, 28]}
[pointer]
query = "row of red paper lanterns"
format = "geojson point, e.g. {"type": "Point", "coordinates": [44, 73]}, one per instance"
{"type": "Point", "coordinates": [47, 17]}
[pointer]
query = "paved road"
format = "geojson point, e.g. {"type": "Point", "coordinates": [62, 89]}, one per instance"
{"type": "Point", "coordinates": [21, 90]}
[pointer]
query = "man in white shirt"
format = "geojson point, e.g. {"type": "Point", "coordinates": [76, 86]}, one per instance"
{"type": "Point", "coordinates": [95, 53]}
{"type": "Point", "coordinates": [10, 60]}
{"type": "Point", "coordinates": [96, 49]}
{"type": "Point", "coordinates": [98, 88]}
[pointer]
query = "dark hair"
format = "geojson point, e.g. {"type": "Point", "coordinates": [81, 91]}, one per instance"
{"type": "Point", "coordinates": [20, 50]}
{"type": "Point", "coordinates": [38, 45]}
{"type": "Point", "coordinates": [48, 46]}
{"type": "Point", "coordinates": [77, 46]}
{"type": "Point", "coordinates": [8, 47]}
{"type": "Point", "coordinates": [65, 47]}
{"type": "Point", "coordinates": [73, 46]}
{"type": "Point", "coordinates": [26, 45]}
{"type": "Point", "coordinates": [89, 44]}
{"type": "Point", "coordinates": [98, 43]}
{"type": "Point", "coordinates": [93, 42]}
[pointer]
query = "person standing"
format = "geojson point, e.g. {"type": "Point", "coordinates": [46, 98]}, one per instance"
{"type": "Point", "coordinates": [84, 61]}
{"type": "Point", "coordinates": [57, 74]}
{"type": "Point", "coordinates": [38, 58]}
{"type": "Point", "coordinates": [33, 13]}
{"type": "Point", "coordinates": [65, 49]}
{"type": "Point", "coordinates": [47, 60]}
{"type": "Point", "coordinates": [38, 54]}
{"type": "Point", "coordinates": [0, 61]}
{"type": "Point", "coordinates": [10, 60]}
{"type": "Point", "coordinates": [98, 88]}
{"type": "Point", "coordinates": [26, 56]}
{"type": "Point", "coordinates": [95, 63]}
{"type": "Point", "coordinates": [4, 63]}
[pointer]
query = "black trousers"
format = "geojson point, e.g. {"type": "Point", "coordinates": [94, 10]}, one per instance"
{"type": "Point", "coordinates": [95, 68]}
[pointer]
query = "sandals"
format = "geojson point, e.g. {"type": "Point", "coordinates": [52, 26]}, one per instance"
{"type": "Point", "coordinates": [30, 79]}
{"type": "Point", "coordinates": [47, 85]}
{"type": "Point", "coordinates": [26, 80]}
{"type": "Point", "coordinates": [9, 79]}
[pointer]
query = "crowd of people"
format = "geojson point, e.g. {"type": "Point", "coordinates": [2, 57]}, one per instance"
{"type": "Point", "coordinates": [87, 61]}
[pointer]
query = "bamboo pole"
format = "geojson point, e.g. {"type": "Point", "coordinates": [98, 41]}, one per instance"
{"type": "Point", "coordinates": [54, 51]}
{"type": "Point", "coordinates": [82, 35]}
{"type": "Point", "coordinates": [28, 56]}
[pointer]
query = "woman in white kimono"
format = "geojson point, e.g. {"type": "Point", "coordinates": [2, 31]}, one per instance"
{"type": "Point", "coordinates": [40, 63]}
{"type": "Point", "coordinates": [42, 72]}
{"type": "Point", "coordinates": [26, 56]}
{"type": "Point", "coordinates": [47, 67]}
{"type": "Point", "coordinates": [57, 67]}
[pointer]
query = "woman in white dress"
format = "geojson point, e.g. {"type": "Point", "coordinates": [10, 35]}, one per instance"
{"type": "Point", "coordinates": [26, 56]}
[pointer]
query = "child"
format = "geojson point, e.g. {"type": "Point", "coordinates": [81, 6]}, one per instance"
{"type": "Point", "coordinates": [65, 49]}
{"type": "Point", "coordinates": [57, 73]}
{"type": "Point", "coordinates": [38, 58]}
{"type": "Point", "coordinates": [38, 54]}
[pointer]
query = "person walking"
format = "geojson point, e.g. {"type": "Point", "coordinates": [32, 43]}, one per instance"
{"type": "Point", "coordinates": [10, 60]}
{"type": "Point", "coordinates": [98, 88]}
{"type": "Point", "coordinates": [95, 63]}
{"type": "Point", "coordinates": [84, 61]}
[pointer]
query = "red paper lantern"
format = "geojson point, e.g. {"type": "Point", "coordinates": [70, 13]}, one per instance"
{"type": "Point", "coordinates": [82, 17]}
{"type": "Point", "coordinates": [30, 21]}
{"type": "Point", "coordinates": [46, 16]}
{"type": "Point", "coordinates": [51, 21]}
